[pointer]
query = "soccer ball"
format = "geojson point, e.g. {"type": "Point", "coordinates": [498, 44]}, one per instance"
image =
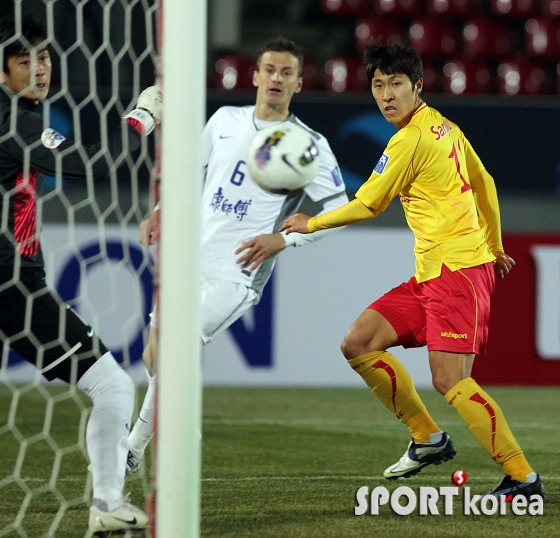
{"type": "Point", "coordinates": [283, 158]}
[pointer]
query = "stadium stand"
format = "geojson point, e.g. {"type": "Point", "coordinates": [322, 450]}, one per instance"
{"type": "Point", "coordinates": [487, 38]}
{"type": "Point", "coordinates": [468, 46]}
{"type": "Point", "coordinates": [520, 76]}
{"type": "Point", "coordinates": [461, 76]}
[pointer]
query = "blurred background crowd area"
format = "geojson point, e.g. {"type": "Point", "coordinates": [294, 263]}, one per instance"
{"type": "Point", "coordinates": [508, 47]}
{"type": "Point", "coordinates": [504, 47]}
{"type": "Point", "coordinates": [492, 66]}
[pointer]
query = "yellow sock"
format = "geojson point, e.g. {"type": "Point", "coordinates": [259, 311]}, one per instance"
{"type": "Point", "coordinates": [389, 380]}
{"type": "Point", "coordinates": [488, 424]}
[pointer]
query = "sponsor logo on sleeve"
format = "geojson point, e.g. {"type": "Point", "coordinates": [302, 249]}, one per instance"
{"type": "Point", "coordinates": [381, 164]}
{"type": "Point", "coordinates": [52, 139]}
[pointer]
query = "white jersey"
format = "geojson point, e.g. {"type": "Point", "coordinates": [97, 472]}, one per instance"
{"type": "Point", "coordinates": [235, 209]}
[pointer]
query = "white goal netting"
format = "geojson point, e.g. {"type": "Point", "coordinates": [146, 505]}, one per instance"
{"type": "Point", "coordinates": [103, 54]}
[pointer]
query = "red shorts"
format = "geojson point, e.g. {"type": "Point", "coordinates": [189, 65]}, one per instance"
{"type": "Point", "coordinates": [448, 313]}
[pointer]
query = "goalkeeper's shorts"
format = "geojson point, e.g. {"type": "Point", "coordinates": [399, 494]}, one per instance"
{"type": "Point", "coordinates": [42, 329]}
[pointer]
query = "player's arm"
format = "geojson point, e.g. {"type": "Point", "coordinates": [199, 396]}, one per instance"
{"type": "Point", "coordinates": [485, 195]}
{"type": "Point", "coordinates": [326, 189]}
{"type": "Point", "coordinates": [391, 174]}
{"type": "Point", "coordinates": [350, 213]}
{"type": "Point", "coordinates": [486, 199]}
{"type": "Point", "coordinates": [63, 156]}
{"type": "Point", "coordinates": [260, 248]}
{"type": "Point", "coordinates": [150, 228]}
{"type": "Point", "coordinates": [330, 204]}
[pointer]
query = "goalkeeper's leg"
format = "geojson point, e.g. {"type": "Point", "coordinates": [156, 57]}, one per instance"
{"type": "Point", "coordinates": [70, 351]}
{"type": "Point", "coordinates": [112, 393]}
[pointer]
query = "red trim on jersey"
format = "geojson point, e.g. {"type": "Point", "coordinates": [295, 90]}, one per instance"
{"type": "Point", "coordinates": [421, 107]}
{"type": "Point", "coordinates": [25, 217]}
{"type": "Point", "coordinates": [476, 397]}
{"type": "Point", "coordinates": [136, 124]}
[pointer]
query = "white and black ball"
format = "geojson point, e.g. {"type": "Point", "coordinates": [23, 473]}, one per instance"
{"type": "Point", "coordinates": [283, 158]}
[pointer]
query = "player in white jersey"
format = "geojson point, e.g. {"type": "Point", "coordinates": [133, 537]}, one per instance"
{"type": "Point", "coordinates": [240, 220]}
{"type": "Point", "coordinates": [235, 208]}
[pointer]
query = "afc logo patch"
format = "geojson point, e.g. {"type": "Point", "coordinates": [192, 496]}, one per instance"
{"type": "Point", "coordinates": [381, 164]}
{"type": "Point", "coordinates": [52, 139]}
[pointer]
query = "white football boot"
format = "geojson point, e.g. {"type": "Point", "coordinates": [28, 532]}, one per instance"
{"type": "Point", "coordinates": [419, 455]}
{"type": "Point", "coordinates": [127, 516]}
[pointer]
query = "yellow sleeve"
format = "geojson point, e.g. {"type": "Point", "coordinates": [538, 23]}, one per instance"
{"type": "Point", "coordinates": [486, 199]}
{"type": "Point", "coordinates": [393, 172]}
{"type": "Point", "coordinates": [472, 160]}
{"type": "Point", "coordinates": [349, 213]}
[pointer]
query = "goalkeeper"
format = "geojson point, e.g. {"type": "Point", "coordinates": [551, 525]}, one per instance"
{"type": "Point", "coordinates": [34, 321]}
{"type": "Point", "coordinates": [451, 205]}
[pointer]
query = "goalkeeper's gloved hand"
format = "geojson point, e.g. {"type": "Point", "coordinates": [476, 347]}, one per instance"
{"type": "Point", "coordinates": [150, 100]}
{"type": "Point", "coordinates": [148, 109]}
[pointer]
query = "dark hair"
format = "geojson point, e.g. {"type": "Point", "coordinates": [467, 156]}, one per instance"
{"type": "Point", "coordinates": [393, 59]}
{"type": "Point", "coordinates": [281, 44]}
{"type": "Point", "coordinates": [32, 33]}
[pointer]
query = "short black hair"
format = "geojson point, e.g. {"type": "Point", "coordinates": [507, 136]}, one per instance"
{"type": "Point", "coordinates": [32, 33]}
{"type": "Point", "coordinates": [393, 59]}
{"type": "Point", "coordinates": [282, 44]}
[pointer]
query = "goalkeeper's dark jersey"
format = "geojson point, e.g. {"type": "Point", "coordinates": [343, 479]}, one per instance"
{"type": "Point", "coordinates": [28, 149]}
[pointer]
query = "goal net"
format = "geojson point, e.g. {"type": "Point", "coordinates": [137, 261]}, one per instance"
{"type": "Point", "coordinates": [103, 54]}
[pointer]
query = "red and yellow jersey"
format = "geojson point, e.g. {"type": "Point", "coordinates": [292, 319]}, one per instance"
{"type": "Point", "coordinates": [449, 199]}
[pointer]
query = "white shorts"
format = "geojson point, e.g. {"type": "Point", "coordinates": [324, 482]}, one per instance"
{"type": "Point", "coordinates": [222, 303]}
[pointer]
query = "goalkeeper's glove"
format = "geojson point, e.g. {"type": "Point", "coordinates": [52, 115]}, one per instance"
{"type": "Point", "coordinates": [148, 109]}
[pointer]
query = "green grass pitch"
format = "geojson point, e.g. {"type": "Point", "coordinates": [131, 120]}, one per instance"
{"type": "Point", "coordinates": [278, 463]}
